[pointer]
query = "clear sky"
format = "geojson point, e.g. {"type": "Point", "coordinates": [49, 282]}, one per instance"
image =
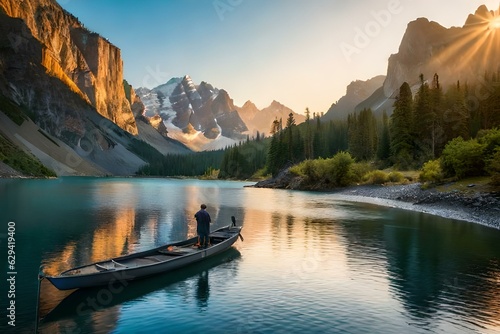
{"type": "Point", "coordinates": [302, 53]}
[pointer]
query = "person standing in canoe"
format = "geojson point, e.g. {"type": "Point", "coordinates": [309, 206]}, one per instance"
{"type": "Point", "coordinates": [203, 226]}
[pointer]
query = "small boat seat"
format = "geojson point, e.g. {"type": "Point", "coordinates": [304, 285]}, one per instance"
{"type": "Point", "coordinates": [119, 264]}
{"type": "Point", "coordinates": [222, 235]}
{"type": "Point", "coordinates": [101, 267]}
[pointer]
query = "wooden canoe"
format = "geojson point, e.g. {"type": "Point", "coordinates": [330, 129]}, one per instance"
{"type": "Point", "coordinates": [116, 271]}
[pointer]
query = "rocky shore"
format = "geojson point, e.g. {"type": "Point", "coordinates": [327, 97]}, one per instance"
{"type": "Point", "coordinates": [474, 205]}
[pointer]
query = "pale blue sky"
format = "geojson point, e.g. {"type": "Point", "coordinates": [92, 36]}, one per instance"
{"type": "Point", "coordinates": [302, 53]}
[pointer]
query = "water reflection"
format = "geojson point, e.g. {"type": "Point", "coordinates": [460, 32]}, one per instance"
{"type": "Point", "coordinates": [202, 290]}
{"type": "Point", "coordinates": [123, 226]}
{"type": "Point", "coordinates": [97, 310]}
{"type": "Point", "coordinates": [431, 269]}
{"type": "Point", "coordinates": [309, 261]}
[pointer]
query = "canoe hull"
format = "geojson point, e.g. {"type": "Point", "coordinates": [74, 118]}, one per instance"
{"type": "Point", "coordinates": [117, 277]}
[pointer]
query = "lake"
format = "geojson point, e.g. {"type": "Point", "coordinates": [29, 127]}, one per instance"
{"type": "Point", "coordinates": [310, 261]}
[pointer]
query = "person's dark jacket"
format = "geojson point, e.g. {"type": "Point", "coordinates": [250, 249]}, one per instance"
{"type": "Point", "coordinates": [203, 219]}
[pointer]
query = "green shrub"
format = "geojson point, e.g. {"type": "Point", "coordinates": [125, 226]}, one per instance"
{"type": "Point", "coordinates": [376, 177]}
{"type": "Point", "coordinates": [305, 168]}
{"type": "Point", "coordinates": [359, 170]}
{"type": "Point", "coordinates": [490, 139]}
{"type": "Point", "coordinates": [341, 169]}
{"type": "Point", "coordinates": [493, 167]}
{"type": "Point", "coordinates": [297, 169]}
{"type": "Point", "coordinates": [336, 171]}
{"type": "Point", "coordinates": [431, 172]}
{"type": "Point", "coordinates": [396, 177]}
{"type": "Point", "coordinates": [319, 170]}
{"type": "Point", "coordinates": [462, 158]}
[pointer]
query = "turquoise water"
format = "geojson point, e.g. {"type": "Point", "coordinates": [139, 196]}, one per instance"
{"type": "Point", "coordinates": [309, 262]}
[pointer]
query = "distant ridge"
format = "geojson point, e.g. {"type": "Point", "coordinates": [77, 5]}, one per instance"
{"type": "Point", "coordinates": [456, 54]}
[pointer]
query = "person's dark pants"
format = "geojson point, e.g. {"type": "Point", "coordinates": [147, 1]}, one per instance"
{"type": "Point", "coordinates": [204, 240]}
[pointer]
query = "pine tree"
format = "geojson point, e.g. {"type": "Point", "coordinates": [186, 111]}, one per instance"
{"type": "Point", "coordinates": [456, 118]}
{"type": "Point", "coordinates": [275, 127]}
{"type": "Point", "coordinates": [290, 124]}
{"type": "Point", "coordinates": [273, 156]}
{"type": "Point", "coordinates": [308, 141]}
{"type": "Point", "coordinates": [490, 103]}
{"type": "Point", "coordinates": [401, 127]}
{"type": "Point", "coordinates": [423, 122]}
{"type": "Point", "coordinates": [384, 145]}
{"type": "Point", "coordinates": [362, 131]}
{"type": "Point", "coordinates": [319, 144]}
{"type": "Point", "coordinates": [353, 136]}
{"type": "Point", "coordinates": [437, 112]}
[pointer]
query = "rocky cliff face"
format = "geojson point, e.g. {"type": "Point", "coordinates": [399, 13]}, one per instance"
{"type": "Point", "coordinates": [356, 92]}
{"type": "Point", "coordinates": [463, 53]}
{"type": "Point", "coordinates": [206, 109]}
{"type": "Point", "coordinates": [63, 98]}
{"type": "Point", "coordinates": [87, 63]}
{"type": "Point", "coordinates": [456, 54]}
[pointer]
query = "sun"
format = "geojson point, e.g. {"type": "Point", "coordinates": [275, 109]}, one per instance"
{"type": "Point", "coordinates": [495, 23]}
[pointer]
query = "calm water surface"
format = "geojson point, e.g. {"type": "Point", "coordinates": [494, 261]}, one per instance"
{"type": "Point", "coordinates": [309, 262]}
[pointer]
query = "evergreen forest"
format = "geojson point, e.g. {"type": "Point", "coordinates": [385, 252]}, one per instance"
{"type": "Point", "coordinates": [436, 130]}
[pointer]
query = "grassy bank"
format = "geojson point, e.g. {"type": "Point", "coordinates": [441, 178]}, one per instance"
{"type": "Point", "coordinates": [21, 161]}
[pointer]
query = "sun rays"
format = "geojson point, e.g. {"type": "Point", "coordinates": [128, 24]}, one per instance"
{"type": "Point", "coordinates": [495, 23]}
{"type": "Point", "coordinates": [471, 49]}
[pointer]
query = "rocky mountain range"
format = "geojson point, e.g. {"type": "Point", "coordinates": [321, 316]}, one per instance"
{"type": "Point", "coordinates": [357, 92]}
{"type": "Point", "coordinates": [204, 117]}
{"type": "Point", "coordinates": [200, 116]}
{"type": "Point", "coordinates": [63, 96]}
{"type": "Point", "coordinates": [261, 120]}
{"type": "Point", "coordinates": [64, 100]}
{"type": "Point", "coordinates": [456, 54]}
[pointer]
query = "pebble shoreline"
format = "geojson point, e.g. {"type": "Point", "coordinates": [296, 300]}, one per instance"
{"type": "Point", "coordinates": [480, 208]}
